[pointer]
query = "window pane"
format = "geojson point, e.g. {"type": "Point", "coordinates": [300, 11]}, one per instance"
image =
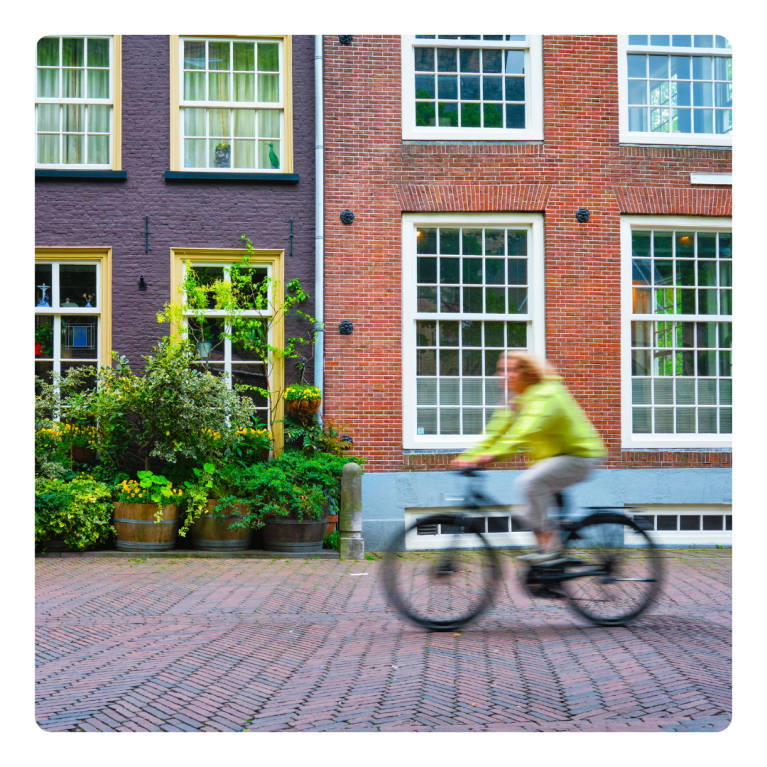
{"type": "Point", "coordinates": [244, 154]}
{"type": "Point", "coordinates": [194, 153]}
{"type": "Point", "coordinates": [425, 87]}
{"type": "Point", "coordinates": [77, 285]}
{"type": "Point", "coordinates": [98, 150]}
{"type": "Point", "coordinates": [48, 52]}
{"type": "Point", "coordinates": [73, 52]}
{"type": "Point", "coordinates": [98, 52]}
{"type": "Point", "coordinates": [218, 87]}
{"type": "Point", "coordinates": [74, 150]}
{"type": "Point", "coordinates": [449, 270]}
{"type": "Point", "coordinates": [98, 83]}
{"type": "Point", "coordinates": [194, 54]}
{"type": "Point", "coordinates": [194, 86]}
{"type": "Point", "coordinates": [244, 57]}
{"type": "Point", "coordinates": [427, 299]}
{"type": "Point", "coordinates": [268, 57]}
{"type": "Point", "coordinates": [269, 88]}
{"type": "Point", "coordinates": [269, 154]}
{"type": "Point", "coordinates": [43, 337]}
{"type": "Point", "coordinates": [43, 280]}
{"type": "Point", "coordinates": [47, 149]}
{"type": "Point", "coordinates": [244, 87]}
{"type": "Point", "coordinates": [98, 119]}
{"type": "Point", "coordinates": [449, 242]}
{"type": "Point", "coordinates": [424, 59]}
{"type": "Point", "coordinates": [218, 56]}
{"type": "Point", "coordinates": [72, 83]}
{"type": "Point", "coordinates": [245, 122]}
{"type": "Point", "coordinates": [48, 83]}
{"type": "Point", "coordinates": [79, 337]}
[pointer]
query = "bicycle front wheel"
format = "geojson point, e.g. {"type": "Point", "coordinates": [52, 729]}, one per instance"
{"type": "Point", "coordinates": [442, 589]}
{"type": "Point", "coordinates": [613, 572]}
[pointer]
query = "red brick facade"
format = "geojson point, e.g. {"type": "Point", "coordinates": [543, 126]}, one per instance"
{"type": "Point", "coordinates": [371, 171]}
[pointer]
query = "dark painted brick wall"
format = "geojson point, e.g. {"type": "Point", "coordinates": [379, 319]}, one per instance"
{"type": "Point", "coordinates": [72, 212]}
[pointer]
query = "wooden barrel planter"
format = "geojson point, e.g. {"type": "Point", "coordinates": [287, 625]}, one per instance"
{"type": "Point", "coordinates": [302, 409]}
{"type": "Point", "coordinates": [210, 533]}
{"type": "Point", "coordinates": [138, 531]}
{"type": "Point", "coordinates": [289, 534]}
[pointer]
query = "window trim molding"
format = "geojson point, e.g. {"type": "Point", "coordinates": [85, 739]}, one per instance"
{"type": "Point", "coordinates": [276, 260]}
{"type": "Point", "coordinates": [104, 258]}
{"type": "Point", "coordinates": [536, 297]}
{"type": "Point", "coordinates": [175, 103]}
{"type": "Point", "coordinates": [533, 96]}
{"type": "Point", "coordinates": [116, 133]}
{"type": "Point", "coordinates": [630, 441]}
{"type": "Point", "coordinates": [648, 138]}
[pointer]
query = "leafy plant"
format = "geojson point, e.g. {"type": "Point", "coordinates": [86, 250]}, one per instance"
{"type": "Point", "coordinates": [79, 512]}
{"type": "Point", "coordinates": [249, 309]}
{"type": "Point", "coordinates": [302, 392]}
{"type": "Point", "coordinates": [197, 494]}
{"type": "Point", "coordinates": [330, 541]}
{"type": "Point", "coordinates": [174, 412]}
{"type": "Point", "coordinates": [55, 400]}
{"type": "Point", "coordinates": [312, 438]}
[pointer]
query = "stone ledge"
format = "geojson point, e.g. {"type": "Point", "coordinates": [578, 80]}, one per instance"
{"type": "Point", "coordinates": [189, 554]}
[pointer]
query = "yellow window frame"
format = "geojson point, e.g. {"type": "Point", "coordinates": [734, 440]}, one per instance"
{"type": "Point", "coordinates": [117, 80]}
{"type": "Point", "coordinates": [175, 97]}
{"type": "Point", "coordinates": [273, 258]}
{"type": "Point", "coordinates": [104, 257]}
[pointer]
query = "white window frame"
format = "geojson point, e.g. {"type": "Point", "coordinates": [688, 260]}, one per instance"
{"type": "Point", "coordinates": [629, 440]}
{"type": "Point", "coordinates": [533, 131]}
{"type": "Point", "coordinates": [277, 106]}
{"type": "Point", "coordinates": [682, 537]}
{"type": "Point", "coordinates": [536, 338]}
{"type": "Point", "coordinates": [227, 362]}
{"type": "Point", "coordinates": [111, 101]}
{"type": "Point", "coordinates": [649, 137]}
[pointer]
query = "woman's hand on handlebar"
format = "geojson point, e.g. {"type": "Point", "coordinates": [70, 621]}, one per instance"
{"type": "Point", "coordinates": [464, 462]}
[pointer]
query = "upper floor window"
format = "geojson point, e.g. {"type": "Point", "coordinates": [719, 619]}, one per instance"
{"type": "Point", "coordinates": [676, 89]}
{"type": "Point", "coordinates": [76, 94]}
{"type": "Point", "coordinates": [472, 87]}
{"type": "Point", "coordinates": [233, 96]}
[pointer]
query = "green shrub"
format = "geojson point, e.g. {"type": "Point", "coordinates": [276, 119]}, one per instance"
{"type": "Point", "coordinates": [79, 512]}
{"type": "Point", "coordinates": [308, 486]}
{"type": "Point", "coordinates": [331, 541]}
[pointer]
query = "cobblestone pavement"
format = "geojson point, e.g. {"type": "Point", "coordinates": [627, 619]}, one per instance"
{"type": "Point", "coordinates": [267, 645]}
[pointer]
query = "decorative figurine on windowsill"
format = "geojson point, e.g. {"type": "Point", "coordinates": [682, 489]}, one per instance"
{"type": "Point", "coordinates": [273, 159]}
{"type": "Point", "coordinates": [43, 302]}
{"type": "Point", "coordinates": [88, 297]}
{"type": "Point", "coordinates": [222, 158]}
{"type": "Point", "coordinates": [69, 304]}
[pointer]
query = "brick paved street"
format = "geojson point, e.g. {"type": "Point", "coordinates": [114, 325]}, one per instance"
{"type": "Point", "coordinates": [267, 645]}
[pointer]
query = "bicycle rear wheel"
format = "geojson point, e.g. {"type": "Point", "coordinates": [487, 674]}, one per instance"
{"type": "Point", "coordinates": [614, 571]}
{"type": "Point", "coordinates": [442, 589]}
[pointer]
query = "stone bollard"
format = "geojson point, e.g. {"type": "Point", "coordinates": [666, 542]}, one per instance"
{"type": "Point", "coordinates": [350, 543]}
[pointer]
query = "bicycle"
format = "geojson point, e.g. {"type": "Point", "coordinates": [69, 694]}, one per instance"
{"type": "Point", "coordinates": [598, 577]}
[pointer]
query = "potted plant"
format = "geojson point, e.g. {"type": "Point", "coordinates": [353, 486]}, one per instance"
{"type": "Point", "coordinates": [146, 513]}
{"type": "Point", "coordinates": [223, 155]}
{"type": "Point", "coordinates": [211, 513]}
{"type": "Point", "coordinates": [302, 401]}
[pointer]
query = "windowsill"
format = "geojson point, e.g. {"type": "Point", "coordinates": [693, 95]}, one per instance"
{"type": "Point", "coordinates": [668, 142]}
{"type": "Point", "coordinates": [203, 175]}
{"type": "Point", "coordinates": [115, 175]}
{"type": "Point", "coordinates": [470, 142]}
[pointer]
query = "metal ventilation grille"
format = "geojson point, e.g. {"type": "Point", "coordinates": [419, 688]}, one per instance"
{"type": "Point", "coordinates": [427, 529]}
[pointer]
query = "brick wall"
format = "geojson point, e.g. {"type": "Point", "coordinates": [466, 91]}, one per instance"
{"type": "Point", "coordinates": [370, 170]}
{"type": "Point", "coordinates": [193, 214]}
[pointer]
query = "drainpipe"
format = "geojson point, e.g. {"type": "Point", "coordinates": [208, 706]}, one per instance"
{"type": "Point", "coordinates": [319, 223]}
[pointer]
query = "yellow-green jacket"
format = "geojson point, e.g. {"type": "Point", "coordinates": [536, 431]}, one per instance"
{"type": "Point", "coordinates": [548, 422]}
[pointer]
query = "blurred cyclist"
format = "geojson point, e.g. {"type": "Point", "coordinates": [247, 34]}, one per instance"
{"type": "Point", "coordinates": [544, 418]}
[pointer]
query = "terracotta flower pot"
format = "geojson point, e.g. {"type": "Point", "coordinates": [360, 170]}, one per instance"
{"type": "Point", "coordinates": [302, 409]}
{"type": "Point", "coordinates": [332, 521]}
{"type": "Point", "coordinates": [211, 533]}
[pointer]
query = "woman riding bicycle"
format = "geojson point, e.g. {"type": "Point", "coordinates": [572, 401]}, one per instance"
{"type": "Point", "coordinates": [543, 418]}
